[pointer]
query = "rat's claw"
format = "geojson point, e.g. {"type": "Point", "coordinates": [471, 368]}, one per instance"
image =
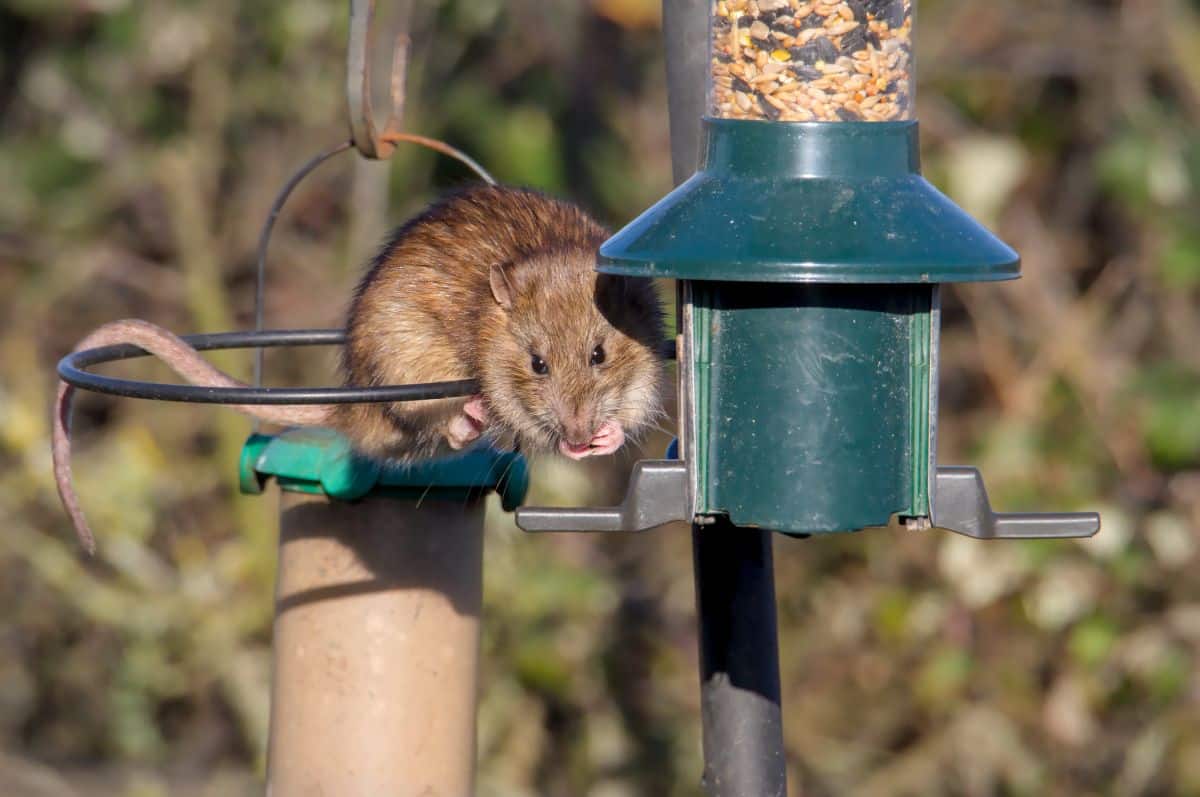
{"type": "Point", "coordinates": [476, 410]}
{"type": "Point", "coordinates": [608, 438]}
{"type": "Point", "coordinates": [467, 426]}
{"type": "Point", "coordinates": [461, 431]}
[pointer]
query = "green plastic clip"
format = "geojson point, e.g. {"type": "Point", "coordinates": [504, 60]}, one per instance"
{"type": "Point", "coordinates": [321, 462]}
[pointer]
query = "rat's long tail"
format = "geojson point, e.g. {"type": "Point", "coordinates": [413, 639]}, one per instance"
{"type": "Point", "coordinates": [183, 360]}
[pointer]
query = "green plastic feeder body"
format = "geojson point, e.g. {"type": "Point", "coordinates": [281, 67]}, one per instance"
{"type": "Point", "coordinates": [810, 255]}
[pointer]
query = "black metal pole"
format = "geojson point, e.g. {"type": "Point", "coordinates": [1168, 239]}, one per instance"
{"type": "Point", "coordinates": [739, 662]}
{"type": "Point", "coordinates": [735, 583]}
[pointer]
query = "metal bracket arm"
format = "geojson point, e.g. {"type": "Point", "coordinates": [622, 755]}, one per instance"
{"type": "Point", "coordinates": [657, 494]}
{"type": "Point", "coordinates": [961, 505]}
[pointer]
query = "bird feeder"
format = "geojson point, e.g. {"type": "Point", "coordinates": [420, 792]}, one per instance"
{"type": "Point", "coordinates": [809, 253]}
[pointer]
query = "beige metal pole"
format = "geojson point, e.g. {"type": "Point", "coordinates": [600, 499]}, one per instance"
{"type": "Point", "coordinates": [376, 648]}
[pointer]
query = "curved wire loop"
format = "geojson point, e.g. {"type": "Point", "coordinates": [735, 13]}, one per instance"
{"type": "Point", "coordinates": [71, 369]}
{"type": "Point", "coordinates": [264, 236]}
{"type": "Point", "coordinates": [264, 241]}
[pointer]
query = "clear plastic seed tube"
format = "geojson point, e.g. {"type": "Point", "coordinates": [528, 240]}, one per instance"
{"type": "Point", "coordinates": [820, 61]}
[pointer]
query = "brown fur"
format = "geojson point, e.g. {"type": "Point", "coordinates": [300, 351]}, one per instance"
{"type": "Point", "coordinates": [425, 312]}
{"type": "Point", "coordinates": [471, 288]}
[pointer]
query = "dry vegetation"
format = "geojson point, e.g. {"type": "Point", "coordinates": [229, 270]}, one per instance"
{"type": "Point", "coordinates": [141, 145]}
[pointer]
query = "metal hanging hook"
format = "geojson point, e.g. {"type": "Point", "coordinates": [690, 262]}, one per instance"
{"type": "Point", "coordinates": [370, 138]}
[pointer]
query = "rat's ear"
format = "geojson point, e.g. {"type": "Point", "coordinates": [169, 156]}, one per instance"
{"type": "Point", "coordinates": [504, 287]}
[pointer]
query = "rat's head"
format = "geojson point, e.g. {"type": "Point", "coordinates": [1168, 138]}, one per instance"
{"type": "Point", "coordinates": [572, 356]}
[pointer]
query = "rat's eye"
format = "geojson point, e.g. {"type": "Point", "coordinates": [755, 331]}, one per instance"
{"type": "Point", "coordinates": [598, 354]}
{"type": "Point", "coordinates": [539, 366]}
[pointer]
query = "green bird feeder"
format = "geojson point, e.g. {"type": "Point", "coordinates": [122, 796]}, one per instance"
{"type": "Point", "coordinates": [809, 252]}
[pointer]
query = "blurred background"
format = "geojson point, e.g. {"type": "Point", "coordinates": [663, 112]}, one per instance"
{"type": "Point", "coordinates": [142, 143]}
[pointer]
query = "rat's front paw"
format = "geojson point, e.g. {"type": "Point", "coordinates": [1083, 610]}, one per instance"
{"type": "Point", "coordinates": [607, 439]}
{"type": "Point", "coordinates": [466, 427]}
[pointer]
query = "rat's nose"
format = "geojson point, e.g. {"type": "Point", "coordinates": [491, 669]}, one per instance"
{"type": "Point", "coordinates": [578, 428]}
{"type": "Point", "coordinates": [577, 434]}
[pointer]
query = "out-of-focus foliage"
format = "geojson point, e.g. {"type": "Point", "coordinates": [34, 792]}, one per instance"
{"type": "Point", "coordinates": [142, 143]}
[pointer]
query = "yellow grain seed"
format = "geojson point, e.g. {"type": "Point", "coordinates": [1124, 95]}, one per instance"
{"type": "Point", "coordinates": [781, 55]}
{"type": "Point", "coordinates": [778, 103]}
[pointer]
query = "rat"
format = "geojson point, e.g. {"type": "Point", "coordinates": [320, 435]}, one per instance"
{"type": "Point", "coordinates": [490, 283]}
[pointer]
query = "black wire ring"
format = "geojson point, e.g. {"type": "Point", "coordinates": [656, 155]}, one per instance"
{"type": "Point", "coordinates": [71, 370]}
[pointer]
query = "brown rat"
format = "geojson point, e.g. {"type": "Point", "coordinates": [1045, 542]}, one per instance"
{"type": "Point", "coordinates": [491, 283]}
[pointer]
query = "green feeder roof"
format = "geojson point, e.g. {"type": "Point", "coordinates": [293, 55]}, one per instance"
{"type": "Point", "coordinates": [321, 462]}
{"type": "Point", "coordinates": [809, 202]}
